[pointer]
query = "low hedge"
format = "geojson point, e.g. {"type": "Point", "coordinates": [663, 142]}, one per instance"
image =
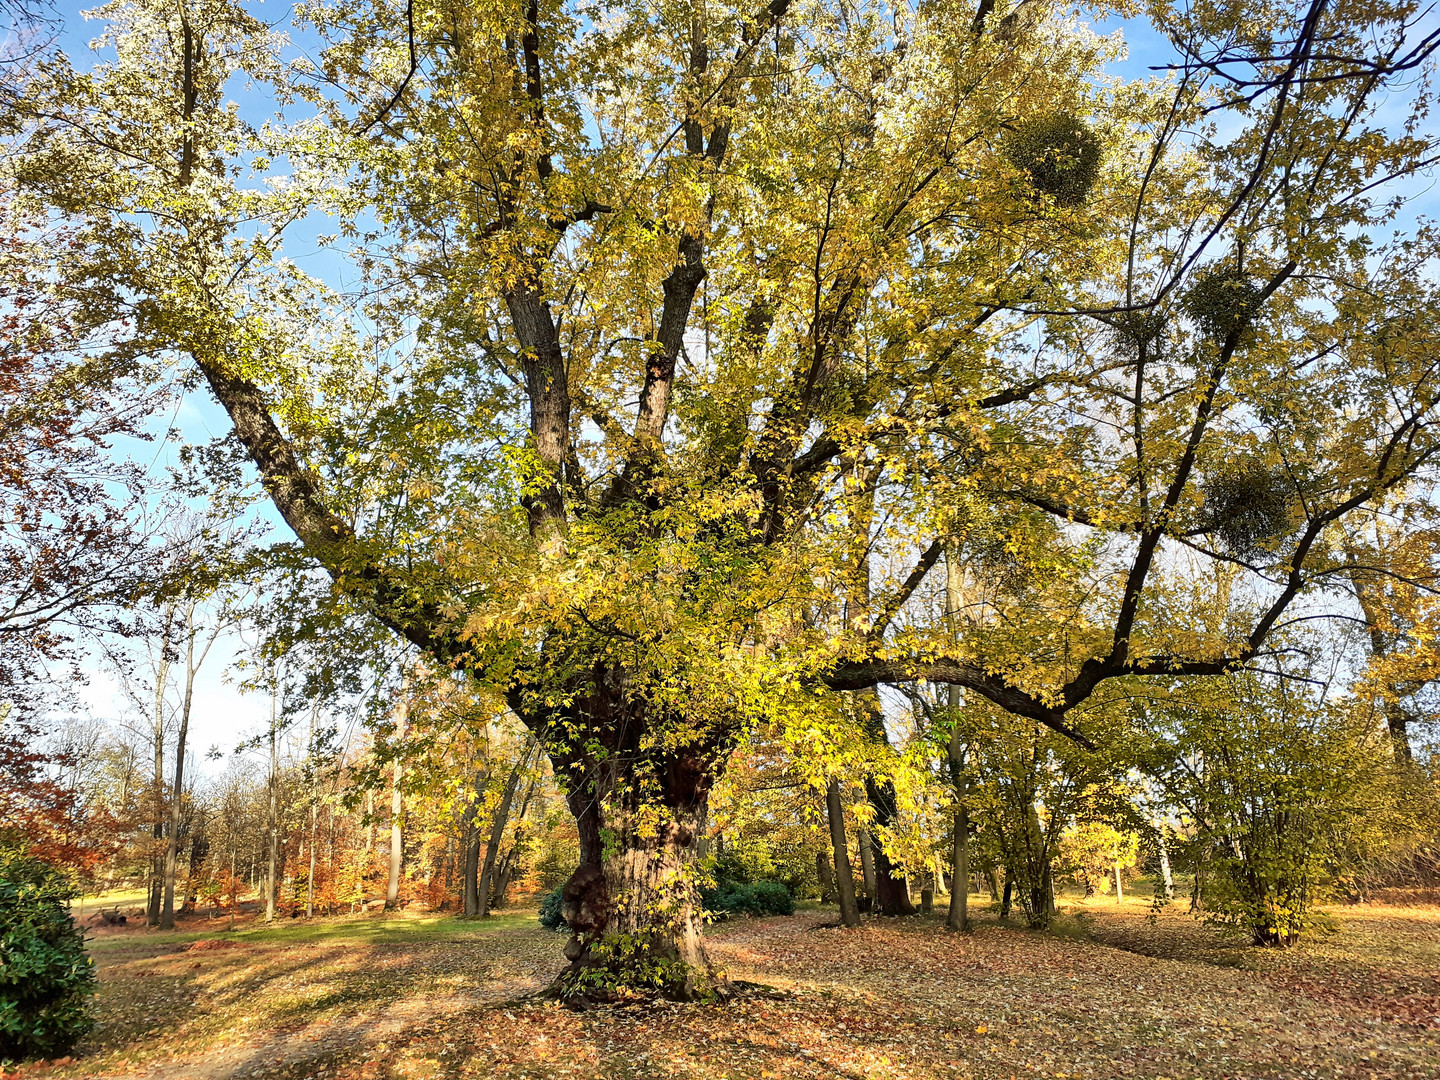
{"type": "Point", "coordinates": [756, 898]}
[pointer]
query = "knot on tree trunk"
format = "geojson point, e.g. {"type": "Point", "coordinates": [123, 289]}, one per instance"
{"type": "Point", "coordinates": [586, 899]}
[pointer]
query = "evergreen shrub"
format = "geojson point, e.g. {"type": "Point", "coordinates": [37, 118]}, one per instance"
{"type": "Point", "coordinates": [46, 978]}
{"type": "Point", "coordinates": [756, 898]}
{"type": "Point", "coordinates": [552, 910]}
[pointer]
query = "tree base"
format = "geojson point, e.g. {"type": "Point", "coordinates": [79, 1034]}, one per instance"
{"type": "Point", "coordinates": [616, 968]}
{"type": "Point", "coordinates": [1270, 938]}
{"type": "Point", "coordinates": [723, 992]}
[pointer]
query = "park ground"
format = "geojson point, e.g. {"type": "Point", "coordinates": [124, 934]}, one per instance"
{"type": "Point", "coordinates": [1109, 992]}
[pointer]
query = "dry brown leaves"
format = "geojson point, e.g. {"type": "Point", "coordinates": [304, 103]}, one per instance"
{"type": "Point", "coordinates": [1111, 995]}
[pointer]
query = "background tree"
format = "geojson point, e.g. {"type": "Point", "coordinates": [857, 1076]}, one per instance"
{"type": "Point", "coordinates": [1276, 787]}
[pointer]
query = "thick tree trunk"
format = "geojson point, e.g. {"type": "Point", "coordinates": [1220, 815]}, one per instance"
{"type": "Point", "coordinates": [632, 904]}
{"type": "Point", "coordinates": [844, 878]}
{"type": "Point", "coordinates": [633, 909]}
{"type": "Point", "coordinates": [892, 891]}
{"type": "Point", "coordinates": [1167, 881]}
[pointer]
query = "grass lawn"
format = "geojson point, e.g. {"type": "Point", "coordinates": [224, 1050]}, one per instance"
{"type": "Point", "coordinates": [124, 899]}
{"type": "Point", "coordinates": [1110, 993]}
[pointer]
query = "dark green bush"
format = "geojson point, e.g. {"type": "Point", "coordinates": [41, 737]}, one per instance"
{"type": "Point", "coordinates": [757, 898]}
{"type": "Point", "coordinates": [46, 980]}
{"type": "Point", "coordinates": [552, 915]}
{"type": "Point", "coordinates": [746, 860]}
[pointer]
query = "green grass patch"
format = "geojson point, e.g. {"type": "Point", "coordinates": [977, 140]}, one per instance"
{"type": "Point", "coordinates": [361, 929]}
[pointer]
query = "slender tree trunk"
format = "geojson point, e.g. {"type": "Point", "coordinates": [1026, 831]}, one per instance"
{"type": "Point", "coordinates": [199, 853]}
{"type": "Point", "coordinates": [157, 859]}
{"type": "Point", "coordinates": [866, 844]}
{"type": "Point", "coordinates": [825, 874]}
{"type": "Point", "coordinates": [272, 866]}
{"type": "Point", "coordinates": [702, 842]}
{"type": "Point", "coordinates": [314, 814]}
{"type": "Point", "coordinates": [511, 858]}
{"type": "Point", "coordinates": [844, 879]}
{"type": "Point", "coordinates": [470, 878]}
{"type": "Point", "coordinates": [504, 875]}
{"type": "Point", "coordinates": [172, 850]}
{"type": "Point", "coordinates": [892, 891]}
{"type": "Point", "coordinates": [369, 823]}
{"type": "Point", "coordinates": [1197, 893]}
{"type": "Point", "coordinates": [310, 881]}
{"type": "Point", "coordinates": [397, 841]}
{"type": "Point", "coordinates": [1119, 887]}
{"type": "Point", "coordinates": [958, 917]}
{"type": "Point", "coordinates": [497, 830]}
{"type": "Point", "coordinates": [1372, 603]}
{"type": "Point", "coordinates": [1166, 880]}
{"type": "Point", "coordinates": [330, 859]}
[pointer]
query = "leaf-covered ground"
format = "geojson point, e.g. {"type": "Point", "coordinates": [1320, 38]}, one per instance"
{"type": "Point", "coordinates": [1108, 994]}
